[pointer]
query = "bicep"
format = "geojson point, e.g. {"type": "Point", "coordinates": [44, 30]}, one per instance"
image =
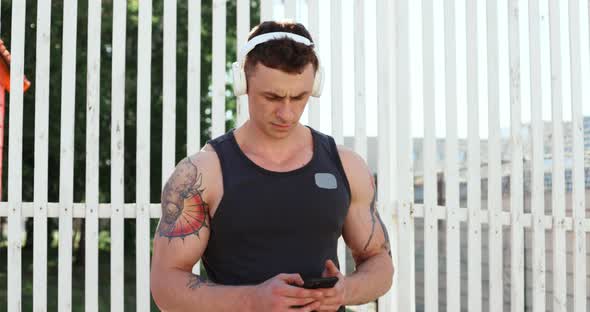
{"type": "Point", "coordinates": [183, 230]}
{"type": "Point", "coordinates": [179, 253]}
{"type": "Point", "coordinates": [364, 231]}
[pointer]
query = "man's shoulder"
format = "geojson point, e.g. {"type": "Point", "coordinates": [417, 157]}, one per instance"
{"type": "Point", "coordinates": [206, 157]}
{"type": "Point", "coordinates": [207, 162]}
{"type": "Point", "coordinates": [349, 157]}
{"type": "Point", "coordinates": [352, 162]}
{"type": "Point", "coordinates": [203, 169]}
{"type": "Point", "coordinates": [204, 162]}
{"type": "Point", "coordinates": [355, 167]}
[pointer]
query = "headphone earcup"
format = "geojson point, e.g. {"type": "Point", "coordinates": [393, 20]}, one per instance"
{"type": "Point", "coordinates": [240, 84]}
{"type": "Point", "coordinates": [318, 83]}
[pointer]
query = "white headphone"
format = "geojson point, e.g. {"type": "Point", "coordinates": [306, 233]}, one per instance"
{"type": "Point", "coordinates": [240, 83]}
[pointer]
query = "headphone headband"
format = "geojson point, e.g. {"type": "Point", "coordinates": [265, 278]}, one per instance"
{"type": "Point", "coordinates": [240, 83]}
{"type": "Point", "coordinates": [251, 44]}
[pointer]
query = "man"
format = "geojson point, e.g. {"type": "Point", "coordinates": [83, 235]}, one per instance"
{"type": "Point", "coordinates": [263, 206]}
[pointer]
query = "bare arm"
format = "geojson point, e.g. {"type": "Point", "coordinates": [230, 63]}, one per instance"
{"type": "Point", "coordinates": [180, 241]}
{"type": "Point", "coordinates": [366, 235]}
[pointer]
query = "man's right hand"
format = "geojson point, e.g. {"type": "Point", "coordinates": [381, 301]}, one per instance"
{"type": "Point", "coordinates": [280, 294]}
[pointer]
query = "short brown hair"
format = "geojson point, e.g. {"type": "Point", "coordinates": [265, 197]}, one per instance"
{"type": "Point", "coordinates": [283, 54]}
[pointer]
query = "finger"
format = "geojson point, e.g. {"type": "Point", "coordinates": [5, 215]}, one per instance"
{"type": "Point", "coordinates": [330, 301]}
{"type": "Point", "coordinates": [299, 302]}
{"type": "Point", "coordinates": [298, 292]}
{"type": "Point", "coordinates": [331, 267]}
{"type": "Point", "coordinates": [294, 279]}
{"type": "Point", "coordinates": [328, 308]}
{"type": "Point", "coordinates": [329, 292]}
{"type": "Point", "coordinates": [308, 308]}
{"type": "Point", "coordinates": [325, 272]}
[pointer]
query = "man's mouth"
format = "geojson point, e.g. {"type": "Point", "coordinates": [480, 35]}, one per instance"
{"type": "Point", "coordinates": [281, 126]}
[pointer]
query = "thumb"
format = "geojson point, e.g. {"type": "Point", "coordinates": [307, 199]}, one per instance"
{"type": "Point", "coordinates": [325, 273]}
{"type": "Point", "coordinates": [291, 279]}
{"type": "Point", "coordinates": [331, 268]}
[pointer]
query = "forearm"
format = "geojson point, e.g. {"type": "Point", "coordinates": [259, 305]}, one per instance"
{"type": "Point", "coordinates": [371, 279]}
{"type": "Point", "coordinates": [177, 290]}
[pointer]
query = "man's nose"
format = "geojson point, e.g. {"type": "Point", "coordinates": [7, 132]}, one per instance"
{"type": "Point", "coordinates": [285, 111]}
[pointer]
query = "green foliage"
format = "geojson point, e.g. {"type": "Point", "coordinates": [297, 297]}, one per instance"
{"type": "Point", "coordinates": [55, 82]}
{"type": "Point", "coordinates": [104, 240]}
{"type": "Point", "coordinates": [79, 164]}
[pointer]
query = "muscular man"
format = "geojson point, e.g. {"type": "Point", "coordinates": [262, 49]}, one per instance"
{"type": "Point", "coordinates": [263, 205]}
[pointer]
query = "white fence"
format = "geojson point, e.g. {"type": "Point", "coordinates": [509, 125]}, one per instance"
{"type": "Point", "coordinates": [463, 54]}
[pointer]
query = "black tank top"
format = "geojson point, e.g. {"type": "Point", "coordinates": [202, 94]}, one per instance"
{"type": "Point", "coordinates": [270, 222]}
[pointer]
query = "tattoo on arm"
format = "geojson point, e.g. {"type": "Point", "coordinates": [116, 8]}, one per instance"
{"type": "Point", "coordinates": [196, 281]}
{"type": "Point", "coordinates": [184, 212]}
{"type": "Point", "coordinates": [374, 217]}
{"type": "Point", "coordinates": [386, 245]}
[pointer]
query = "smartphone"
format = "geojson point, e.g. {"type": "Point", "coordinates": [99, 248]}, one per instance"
{"type": "Point", "coordinates": [319, 282]}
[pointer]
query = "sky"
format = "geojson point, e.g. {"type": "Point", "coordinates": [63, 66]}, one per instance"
{"type": "Point", "coordinates": [349, 30]}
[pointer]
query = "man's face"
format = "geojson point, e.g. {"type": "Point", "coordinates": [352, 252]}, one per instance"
{"type": "Point", "coordinates": [277, 99]}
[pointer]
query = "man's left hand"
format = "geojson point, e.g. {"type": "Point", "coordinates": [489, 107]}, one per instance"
{"type": "Point", "coordinates": [333, 297]}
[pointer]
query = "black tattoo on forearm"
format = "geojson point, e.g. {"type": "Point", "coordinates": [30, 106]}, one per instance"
{"type": "Point", "coordinates": [374, 217]}
{"type": "Point", "coordinates": [373, 212]}
{"type": "Point", "coordinates": [196, 281]}
{"type": "Point", "coordinates": [184, 212]}
{"type": "Point", "coordinates": [386, 245]}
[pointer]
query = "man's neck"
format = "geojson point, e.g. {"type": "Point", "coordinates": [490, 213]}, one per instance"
{"type": "Point", "coordinates": [253, 140]}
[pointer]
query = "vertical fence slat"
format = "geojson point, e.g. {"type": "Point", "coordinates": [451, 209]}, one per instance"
{"type": "Point", "coordinates": [194, 78]}
{"type": "Point", "coordinates": [336, 86]}
{"type": "Point", "coordinates": [314, 28]}
{"type": "Point", "coordinates": [336, 70]}
{"type": "Point", "coordinates": [117, 155]}
{"type": "Point", "coordinates": [41, 155]}
{"type": "Point", "coordinates": [336, 91]}
{"type": "Point", "coordinates": [537, 187]}
{"type": "Point", "coordinates": [341, 253]}
{"type": "Point", "coordinates": [66, 194]}
{"type": "Point", "coordinates": [218, 71]}
{"type": "Point", "coordinates": [15, 137]}
{"type": "Point", "coordinates": [291, 9]}
{"type": "Point", "coordinates": [516, 175]}
{"type": "Point", "coordinates": [494, 162]}
{"type": "Point", "coordinates": [579, 82]}
{"type": "Point", "coordinates": [243, 25]}
{"type": "Point", "coordinates": [360, 122]}
{"type": "Point", "coordinates": [429, 165]}
{"type": "Point", "coordinates": [360, 111]}
{"type": "Point", "coordinates": [451, 163]}
{"type": "Point", "coordinates": [266, 8]}
{"type": "Point", "coordinates": [144, 60]}
{"type": "Point", "coordinates": [92, 156]}
{"type": "Point", "coordinates": [404, 225]}
{"type": "Point", "coordinates": [473, 163]}
{"type": "Point", "coordinates": [559, 250]}
{"type": "Point", "coordinates": [581, 266]}
{"type": "Point", "coordinates": [169, 91]}
{"type": "Point", "coordinates": [384, 99]}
